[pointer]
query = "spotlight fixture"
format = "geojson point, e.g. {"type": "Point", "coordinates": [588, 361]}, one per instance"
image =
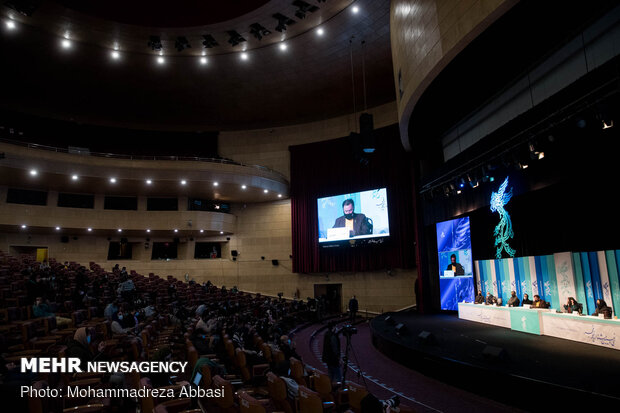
{"type": "Point", "coordinates": [148, 230]}
{"type": "Point", "coordinates": [176, 230]}
{"type": "Point", "coordinates": [244, 56]}
{"type": "Point", "coordinates": [243, 186]}
{"type": "Point", "coordinates": [34, 172]}
{"type": "Point", "coordinates": [355, 9]}
{"type": "Point", "coordinates": [161, 60]}
{"type": "Point", "coordinates": [24, 226]}
{"type": "Point", "coordinates": [215, 183]}
{"type": "Point", "coordinates": [279, 195]}
{"type": "Point", "coordinates": [10, 24]}
{"type": "Point", "coordinates": [89, 229]}
{"type": "Point", "coordinates": [149, 182]}
{"type": "Point", "coordinates": [608, 124]}
{"type": "Point", "coordinates": [303, 8]}
{"type": "Point", "coordinates": [112, 180]}
{"type": "Point", "coordinates": [183, 182]}
{"type": "Point", "coordinates": [65, 43]}
{"type": "Point", "coordinates": [259, 31]}
{"type": "Point", "coordinates": [235, 38]}
{"type": "Point", "coordinates": [120, 230]}
{"type": "Point", "coordinates": [203, 60]}
{"type": "Point", "coordinates": [320, 31]}
{"type": "Point", "coordinates": [202, 230]}
{"type": "Point", "coordinates": [115, 55]}
{"type": "Point", "coordinates": [283, 46]}
{"type": "Point", "coordinates": [57, 228]}
{"type": "Point", "coordinates": [283, 21]}
{"type": "Point", "coordinates": [209, 41]}
{"type": "Point", "coordinates": [23, 7]}
{"type": "Point", "coordinates": [221, 232]}
{"type": "Point", "coordinates": [155, 43]}
{"type": "Point", "coordinates": [181, 43]}
{"type": "Point", "coordinates": [265, 190]}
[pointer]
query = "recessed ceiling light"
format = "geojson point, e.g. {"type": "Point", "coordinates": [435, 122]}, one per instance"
{"type": "Point", "coordinates": [115, 55]}
{"type": "Point", "coordinates": [320, 31]}
{"type": "Point", "coordinates": [24, 227]}
{"type": "Point", "coordinates": [75, 177]}
{"type": "Point", "coordinates": [244, 56]}
{"type": "Point", "coordinates": [57, 228]}
{"type": "Point", "coordinates": [279, 195]}
{"type": "Point", "coordinates": [65, 43]}
{"type": "Point", "coordinates": [283, 46]}
{"type": "Point", "coordinates": [265, 191]}
{"type": "Point", "coordinates": [203, 60]}
{"type": "Point", "coordinates": [112, 180]}
{"type": "Point", "coordinates": [215, 183]}
{"type": "Point", "coordinates": [221, 232]}
{"type": "Point", "coordinates": [149, 182]}
{"type": "Point", "coordinates": [176, 230]}
{"type": "Point", "coordinates": [33, 172]}
{"type": "Point", "coordinates": [183, 182]}
{"type": "Point", "coordinates": [355, 9]}
{"type": "Point", "coordinates": [119, 230]}
{"type": "Point", "coordinates": [161, 60]}
{"type": "Point", "coordinates": [148, 230]}
{"type": "Point", "coordinates": [89, 230]}
{"type": "Point", "coordinates": [243, 187]}
{"type": "Point", "coordinates": [202, 230]}
{"type": "Point", "coordinates": [10, 24]}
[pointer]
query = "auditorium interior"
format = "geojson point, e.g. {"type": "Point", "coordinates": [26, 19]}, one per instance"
{"type": "Point", "coordinates": [362, 206]}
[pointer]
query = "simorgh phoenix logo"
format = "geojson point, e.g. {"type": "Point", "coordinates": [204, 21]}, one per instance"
{"type": "Point", "coordinates": [503, 231]}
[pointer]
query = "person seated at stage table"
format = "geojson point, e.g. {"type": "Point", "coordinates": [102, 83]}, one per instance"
{"type": "Point", "coordinates": [538, 303]}
{"type": "Point", "coordinates": [526, 300]}
{"type": "Point", "coordinates": [513, 301]}
{"type": "Point", "coordinates": [601, 308]}
{"type": "Point", "coordinates": [490, 299]}
{"type": "Point", "coordinates": [479, 298]}
{"type": "Point", "coordinates": [572, 306]}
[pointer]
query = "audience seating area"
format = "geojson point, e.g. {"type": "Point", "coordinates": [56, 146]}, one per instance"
{"type": "Point", "coordinates": [234, 340]}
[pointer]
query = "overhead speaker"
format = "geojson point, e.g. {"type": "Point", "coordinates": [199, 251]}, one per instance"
{"type": "Point", "coordinates": [64, 239]}
{"type": "Point", "coordinates": [234, 253]}
{"type": "Point", "coordinates": [426, 337]}
{"type": "Point", "coordinates": [493, 353]}
{"type": "Point", "coordinates": [274, 262]}
{"type": "Point", "coordinates": [400, 329]}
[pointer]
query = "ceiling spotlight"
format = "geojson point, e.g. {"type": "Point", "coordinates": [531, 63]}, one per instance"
{"type": "Point", "coordinates": [202, 230]}
{"type": "Point", "coordinates": [57, 228]}
{"type": "Point", "coordinates": [33, 172]}
{"type": "Point", "coordinates": [65, 43]}
{"type": "Point", "coordinates": [541, 155]}
{"type": "Point", "coordinates": [303, 8]}
{"type": "Point", "coordinates": [265, 191]}
{"type": "Point", "coordinates": [161, 60]}
{"type": "Point", "coordinates": [203, 60]}
{"type": "Point", "coordinates": [155, 43]}
{"type": "Point", "coordinates": [119, 230]}
{"type": "Point", "coordinates": [149, 182]}
{"type": "Point", "coordinates": [148, 230]}
{"type": "Point", "coordinates": [608, 124]}
{"type": "Point", "coordinates": [112, 180]}
{"type": "Point", "coordinates": [283, 46]}
{"type": "Point", "coordinates": [320, 31]}
{"type": "Point", "coordinates": [115, 55]}
{"type": "Point", "coordinates": [215, 183]}
{"type": "Point", "coordinates": [258, 31]}
{"type": "Point", "coordinates": [183, 182]}
{"type": "Point", "coordinates": [244, 56]}
{"type": "Point", "coordinates": [209, 41]}
{"type": "Point", "coordinates": [355, 9]}
{"type": "Point", "coordinates": [279, 195]}
{"type": "Point", "coordinates": [10, 24]}
{"type": "Point", "coordinates": [221, 232]}
{"type": "Point", "coordinates": [217, 206]}
{"type": "Point", "coordinates": [89, 229]}
{"type": "Point", "coordinates": [176, 230]}
{"type": "Point", "coordinates": [74, 177]}
{"type": "Point", "coordinates": [283, 21]}
{"type": "Point", "coordinates": [459, 191]}
{"type": "Point", "coordinates": [243, 186]}
{"type": "Point", "coordinates": [24, 227]}
{"type": "Point", "coordinates": [235, 38]}
{"type": "Point", "coordinates": [181, 43]}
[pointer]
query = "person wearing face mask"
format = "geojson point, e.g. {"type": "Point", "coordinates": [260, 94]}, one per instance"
{"type": "Point", "coordinates": [357, 224]}
{"type": "Point", "coordinates": [80, 347]}
{"type": "Point", "coordinates": [117, 324]}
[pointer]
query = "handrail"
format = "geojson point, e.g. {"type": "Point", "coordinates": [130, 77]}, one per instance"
{"type": "Point", "coordinates": [139, 157]}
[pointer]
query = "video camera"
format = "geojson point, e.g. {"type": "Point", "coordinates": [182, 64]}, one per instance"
{"type": "Point", "coordinates": [348, 330]}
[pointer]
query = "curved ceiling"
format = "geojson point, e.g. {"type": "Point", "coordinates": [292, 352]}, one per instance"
{"type": "Point", "coordinates": [310, 80]}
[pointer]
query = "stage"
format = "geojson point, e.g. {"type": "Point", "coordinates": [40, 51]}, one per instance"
{"type": "Point", "coordinates": [519, 369]}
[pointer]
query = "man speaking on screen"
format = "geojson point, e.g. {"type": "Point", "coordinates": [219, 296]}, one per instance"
{"type": "Point", "coordinates": [357, 224]}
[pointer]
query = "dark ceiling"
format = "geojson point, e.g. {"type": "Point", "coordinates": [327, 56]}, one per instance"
{"type": "Point", "coordinates": [310, 80]}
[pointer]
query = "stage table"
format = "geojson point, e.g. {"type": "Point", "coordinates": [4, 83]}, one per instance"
{"type": "Point", "coordinates": [585, 329]}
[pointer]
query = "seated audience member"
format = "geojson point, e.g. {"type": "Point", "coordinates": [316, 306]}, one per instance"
{"type": "Point", "coordinates": [288, 348]}
{"type": "Point", "coordinates": [601, 308]}
{"type": "Point", "coordinates": [161, 379]}
{"type": "Point", "coordinates": [538, 303]}
{"type": "Point", "coordinates": [479, 298]}
{"type": "Point", "coordinates": [110, 310]}
{"type": "Point", "coordinates": [41, 309]}
{"type": "Point", "coordinates": [513, 301]}
{"type": "Point", "coordinates": [572, 306]}
{"type": "Point", "coordinates": [80, 348]}
{"type": "Point", "coordinates": [526, 300]}
{"type": "Point", "coordinates": [117, 325]}
{"type": "Point", "coordinates": [490, 299]}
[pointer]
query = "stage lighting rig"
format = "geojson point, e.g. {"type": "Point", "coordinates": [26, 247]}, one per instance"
{"type": "Point", "coordinates": [283, 21]}
{"type": "Point", "coordinates": [303, 8]}
{"type": "Point", "coordinates": [235, 38]}
{"type": "Point", "coordinates": [259, 31]}
{"type": "Point", "coordinates": [181, 43]}
{"type": "Point", "coordinates": [209, 41]}
{"type": "Point", "coordinates": [155, 43]}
